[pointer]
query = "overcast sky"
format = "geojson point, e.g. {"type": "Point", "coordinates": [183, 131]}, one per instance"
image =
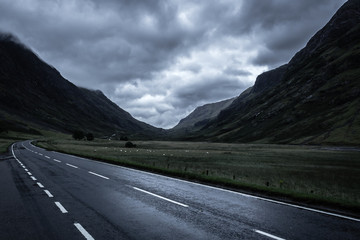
{"type": "Point", "coordinates": [159, 60]}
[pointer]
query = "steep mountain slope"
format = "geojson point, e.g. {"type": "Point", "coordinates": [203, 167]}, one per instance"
{"type": "Point", "coordinates": [201, 115]}
{"type": "Point", "coordinates": [315, 98]}
{"type": "Point", "coordinates": [33, 92]}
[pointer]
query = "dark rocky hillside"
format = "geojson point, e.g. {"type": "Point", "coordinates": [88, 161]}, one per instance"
{"type": "Point", "coordinates": [33, 92]}
{"type": "Point", "coordinates": [315, 98]}
{"type": "Point", "coordinates": [200, 116]}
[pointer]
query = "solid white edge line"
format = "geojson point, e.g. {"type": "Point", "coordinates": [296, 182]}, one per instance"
{"type": "Point", "coordinates": [241, 194]}
{"type": "Point", "coordinates": [48, 193]}
{"type": "Point", "coordinates": [62, 209]}
{"type": "Point", "coordinates": [158, 196]}
{"type": "Point", "coordinates": [56, 160]}
{"type": "Point", "coordinates": [40, 185]}
{"type": "Point", "coordinates": [83, 231]}
{"type": "Point", "coordinates": [33, 178]}
{"type": "Point", "coordinates": [12, 150]}
{"type": "Point", "coordinates": [221, 189]}
{"type": "Point", "coordinates": [268, 235]}
{"type": "Point", "coordinates": [71, 165]}
{"type": "Point", "coordinates": [98, 175]}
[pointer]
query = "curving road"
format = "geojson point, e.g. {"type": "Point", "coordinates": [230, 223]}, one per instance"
{"type": "Point", "coordinates": [59, 196]}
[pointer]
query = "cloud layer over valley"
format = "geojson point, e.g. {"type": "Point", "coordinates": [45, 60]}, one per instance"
{"type": "Point", "coordinates": [159, 60]}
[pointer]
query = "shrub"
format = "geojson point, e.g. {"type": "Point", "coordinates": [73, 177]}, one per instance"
{"type": "Point", "coordinates": [89, 137]}
{"type": "Point", "coordinates": [130, 145]}
{"type": "Point", "coordinates": [78, 135]}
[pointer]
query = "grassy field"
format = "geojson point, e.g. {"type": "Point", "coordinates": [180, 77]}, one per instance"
{"type": "Point", "coordinates": [299, 172]}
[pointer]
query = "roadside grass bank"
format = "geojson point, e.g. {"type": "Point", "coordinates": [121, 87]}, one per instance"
{"type": "Point", "coordinates": [4, 145]}
{"type": "Point", "coordinates": [310, 174]}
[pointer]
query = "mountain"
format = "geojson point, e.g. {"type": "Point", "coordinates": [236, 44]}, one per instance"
{"type": "Point", "coordinates": [200, 116]}
{"type": "Point", "coordinates": [33, 94]}
{"type": "Point", "coordinates": [313, 99]}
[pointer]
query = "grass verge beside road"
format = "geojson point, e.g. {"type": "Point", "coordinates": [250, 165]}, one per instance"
{"type": "Point", "coordinates": [8, 138]}
{"type": "Point", "coordinates": [309, 174]}
{"type": "Point", "coordinates": [4, 144]}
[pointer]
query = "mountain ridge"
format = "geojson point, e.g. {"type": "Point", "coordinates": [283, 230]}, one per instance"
{"type": "Point", "coordinates": [201, 115]}
{"type": "Point", "coordinates": [314, 99]}
{"type": "Point", "coordinates": [33, 91]}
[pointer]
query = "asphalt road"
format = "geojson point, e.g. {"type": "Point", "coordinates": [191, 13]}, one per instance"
{"type": "Point", "coordinates": [49, 195]}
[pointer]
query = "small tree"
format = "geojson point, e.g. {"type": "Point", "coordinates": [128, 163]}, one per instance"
{"type": "Point", "coordinates": [89, 137]}
{"type": "Point", "coordinates": [78, 135]}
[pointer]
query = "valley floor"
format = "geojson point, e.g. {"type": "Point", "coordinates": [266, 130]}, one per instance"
{"type": "Point", "coordinates": [311, 174]}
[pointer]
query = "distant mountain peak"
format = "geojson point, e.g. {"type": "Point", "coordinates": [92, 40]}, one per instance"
{"type": "Point", "coordinates": [202, 114]}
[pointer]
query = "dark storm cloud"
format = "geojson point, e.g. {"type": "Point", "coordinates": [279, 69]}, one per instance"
{"type": "Point", "coordinates": [208, 89]}
{"type": "Point", "coordinates": [236, 72]}
{"type": "Point", "coordinates": [265, 15]}
{"type": "Point", "coordinates": [194, 67]}
{"type": "Point", "coordinates": [121, 40]}
{"type": "Point", "coordinates": [282, 27]}
{"type": "Point", "coordinates": [160, 59]}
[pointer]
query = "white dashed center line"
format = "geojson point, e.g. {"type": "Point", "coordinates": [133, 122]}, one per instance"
{"type": "Point", "coordinates": [48, 193]}
{"type": "Point", "coordinates": [268, 235]}
{"type": "Point", "coordinates": [158, 196]}
{"type": "Point", "coordinates": [83, 231]}
{"type": "Point", "coordinates": [62, 209]}
{"type": "Point", "coordinates": [71, 165]}
{"type": "Point", "coordinates": [98, 175]}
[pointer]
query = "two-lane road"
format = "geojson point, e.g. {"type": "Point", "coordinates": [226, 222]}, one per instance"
{"type": "Point", "coordinates": [77, 198]}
